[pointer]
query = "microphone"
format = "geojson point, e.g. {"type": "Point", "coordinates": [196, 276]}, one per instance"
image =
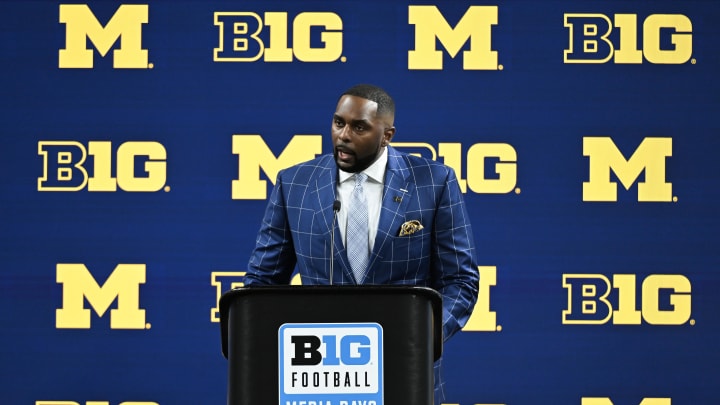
{"type": "Point", "coordinates": [336, 208]}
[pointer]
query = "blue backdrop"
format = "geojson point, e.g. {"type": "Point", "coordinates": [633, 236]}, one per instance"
{"type": "Point", "coordinates": [140, 142]}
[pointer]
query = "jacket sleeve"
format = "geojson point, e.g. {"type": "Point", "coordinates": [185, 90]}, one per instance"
{"type": "Point", "coordinates": [454, 265]}
{"type": "Point", "coordinates": [273, 259]}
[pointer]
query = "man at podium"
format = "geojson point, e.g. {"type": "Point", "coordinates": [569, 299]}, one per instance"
{"type": "Point", "coordinates": [369, 214]}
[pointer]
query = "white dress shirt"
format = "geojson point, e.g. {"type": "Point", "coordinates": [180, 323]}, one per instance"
{"type": "Point", "coordinates": [373, 189]}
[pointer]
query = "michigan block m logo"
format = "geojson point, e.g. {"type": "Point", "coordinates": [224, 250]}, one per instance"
{"type": "Point", "coordinates": [474, 26]}
{"type": "Point", "coordinates": [79, 285]}
{"type": "Point", "coordinates": [81, 25]}
{"type": "Point", "coordinates": [649, 157]}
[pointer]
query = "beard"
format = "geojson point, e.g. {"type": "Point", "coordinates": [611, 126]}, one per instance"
{"type": "Point", "coordinates": [357, 164]}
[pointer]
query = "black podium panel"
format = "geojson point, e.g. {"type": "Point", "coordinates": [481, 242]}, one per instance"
{"type": "Point", "coordinates": [410, 318]}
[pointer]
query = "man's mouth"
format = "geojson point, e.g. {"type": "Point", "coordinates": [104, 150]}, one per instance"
{"type": "Point", "coordinates": [344, 154]}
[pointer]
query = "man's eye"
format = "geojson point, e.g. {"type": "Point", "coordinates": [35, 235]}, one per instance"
{"type": "Point", "coordinates": [359, 128]}
{"type": "Point", "coordinates": [339, 123]}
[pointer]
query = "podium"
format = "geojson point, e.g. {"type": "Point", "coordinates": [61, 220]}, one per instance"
{"type": "Point", "coordinates": [331, 344]}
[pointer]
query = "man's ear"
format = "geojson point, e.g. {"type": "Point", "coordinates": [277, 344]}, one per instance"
{"type": "Point", "coordinates": [388, 134]}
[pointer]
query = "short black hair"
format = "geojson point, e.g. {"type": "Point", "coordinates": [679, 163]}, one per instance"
{"type": "Point", "coordinates": [385, 103]}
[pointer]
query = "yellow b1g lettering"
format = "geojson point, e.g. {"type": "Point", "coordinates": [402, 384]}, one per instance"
{"type": "Point", "coordinates": [241, 41]}
{"type": "Point", "coordinates": [482, 319]}
{"type": "Point", "coordinates": [589, 303]}
{"type": "Point", "coordinates": [65, 168]}
{"type": "Point", "coordinates": [502, 157]}
{"type": "Point", "coordinates": [589, 39]}
{"type": "Point", "coordinates": [224, 281]}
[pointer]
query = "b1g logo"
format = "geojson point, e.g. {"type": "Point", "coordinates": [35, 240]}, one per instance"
{"type": "Point", "coordinates": [81, 25]}
{"type": "Point", "coordinates": [140, 166]}
{"type": "Point", "coordinates": [595, 38]}
{"type": "Point", "coordinates": [242, 38]}
{"type": "Point", "coordinates": [338, 363]}
{"type": "Point", "coordinates": [665, 299]}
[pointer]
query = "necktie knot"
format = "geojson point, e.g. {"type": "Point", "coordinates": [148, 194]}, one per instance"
{"type": "Point", "coordinates": [360, 179]}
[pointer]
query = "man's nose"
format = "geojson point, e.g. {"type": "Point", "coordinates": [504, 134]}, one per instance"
{"type": "Point", "coordinates": [345, 133]}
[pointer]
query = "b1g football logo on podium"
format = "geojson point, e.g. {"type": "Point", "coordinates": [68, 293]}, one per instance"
{"type": "Point", "coordinates": [331, 363]}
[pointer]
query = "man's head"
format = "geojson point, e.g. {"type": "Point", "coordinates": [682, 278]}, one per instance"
{"type": "Point", "coordinates": [362, 126]}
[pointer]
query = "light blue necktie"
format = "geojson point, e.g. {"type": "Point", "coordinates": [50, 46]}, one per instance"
{"type": "Point", "coordinates": [358, 249]}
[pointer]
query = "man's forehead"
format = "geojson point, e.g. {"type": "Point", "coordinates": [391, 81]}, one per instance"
{"type": "Point", "coordinates": [348, 103]}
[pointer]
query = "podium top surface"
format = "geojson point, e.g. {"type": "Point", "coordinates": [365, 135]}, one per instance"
{"type": "Point", "coordinates": [339, 295]}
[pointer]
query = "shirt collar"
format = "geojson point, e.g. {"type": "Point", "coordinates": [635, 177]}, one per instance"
{"type": "Point", "coordinates": [376, 171]}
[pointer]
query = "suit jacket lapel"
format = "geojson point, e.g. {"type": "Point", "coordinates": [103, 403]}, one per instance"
{"type": "Point", "coordinates": [397, 192]}
{"type": "Point", "coordinates": [326, 188]}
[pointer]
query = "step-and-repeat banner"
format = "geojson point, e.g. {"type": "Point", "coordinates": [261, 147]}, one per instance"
{"type": "Point", "coordinates": [140, 143]}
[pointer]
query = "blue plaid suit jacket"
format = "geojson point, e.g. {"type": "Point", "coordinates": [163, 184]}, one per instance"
{"type": "Point", "coordinates": [296, 227]}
